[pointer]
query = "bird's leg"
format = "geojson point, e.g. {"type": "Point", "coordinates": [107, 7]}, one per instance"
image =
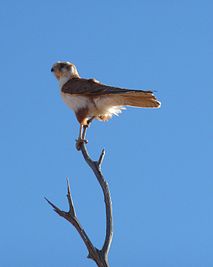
{"type": "Point", "coordinates": [81, 137]}
{"type": "Point", "coordinates": [85, 128]}
{"type": "Point", "coordinates": [82, 133]}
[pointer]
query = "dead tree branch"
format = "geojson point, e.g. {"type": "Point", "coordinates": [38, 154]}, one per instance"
{"type": "Point", "coordinates": [99, 256]}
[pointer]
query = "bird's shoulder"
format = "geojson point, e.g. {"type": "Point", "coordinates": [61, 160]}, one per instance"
{"type": "Point", "coordinates": [83, 86]}
{"type": "Point", "coordinates": [93, 88]}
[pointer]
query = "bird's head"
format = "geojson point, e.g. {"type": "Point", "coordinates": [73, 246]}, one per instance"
{"type": "Point", "coordinates": [64, 71]}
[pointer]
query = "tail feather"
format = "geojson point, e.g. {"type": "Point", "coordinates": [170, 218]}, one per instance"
{"type": "Point", "coordinates": [140, 99]}
{"type": "Point", "coordinates": [114, 103]}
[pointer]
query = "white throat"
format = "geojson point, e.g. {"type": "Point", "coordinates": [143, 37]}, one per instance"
{"type": "Point", "coordinates": [63, 80]}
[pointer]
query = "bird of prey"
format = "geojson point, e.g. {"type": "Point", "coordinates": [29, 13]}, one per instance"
{"type": "Point", "coordinates": [90, 99]}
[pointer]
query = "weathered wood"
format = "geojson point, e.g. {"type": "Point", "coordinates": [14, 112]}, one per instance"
{"type": "Point", "coordinates": [99, 256]}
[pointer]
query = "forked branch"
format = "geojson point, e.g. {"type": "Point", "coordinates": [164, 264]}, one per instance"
{"type": "Point", "coordinates": [99, 256]}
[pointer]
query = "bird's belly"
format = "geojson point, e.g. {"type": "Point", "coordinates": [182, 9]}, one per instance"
{"type": "Point", "coordinates": [95, 108]}
{"type": "Point", "coordinates": [76, 102]}
{"type": "Point", "coordinates": [105, 106]}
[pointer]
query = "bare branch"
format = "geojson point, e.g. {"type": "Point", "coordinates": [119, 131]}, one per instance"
{"type": "Point", "coordinates": [70, 216]}
{"type": "Point", "coordinates": [99, 256]}
{"type": "Point", "coordinates": [101, 158]}
{"type": "Point", "coordinates": [70, 201]}
{"type": "Point", "coordinates": [96, 167]}
{"type": "Point", "coordinates": [55, 208]}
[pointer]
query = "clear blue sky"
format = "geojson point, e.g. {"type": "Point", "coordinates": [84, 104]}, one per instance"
{"type": "Point", "coordinates": [158, 162]}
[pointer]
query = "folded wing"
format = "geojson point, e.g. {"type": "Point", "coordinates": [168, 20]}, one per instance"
{"type": "Point", "coordinates": [115, 96]}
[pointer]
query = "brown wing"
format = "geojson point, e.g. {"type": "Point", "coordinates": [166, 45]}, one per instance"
{"type": "Point", "coordinates": [118, 96]}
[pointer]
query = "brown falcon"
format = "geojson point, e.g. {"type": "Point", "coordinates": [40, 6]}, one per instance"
{"type": "Point", "coordinates": [90, 99]}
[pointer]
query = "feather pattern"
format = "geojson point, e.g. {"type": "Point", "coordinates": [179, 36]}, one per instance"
{"type": "Point", "coordinates": [89, 98]}
{"type": "Point", "coordinates": [108, 95]}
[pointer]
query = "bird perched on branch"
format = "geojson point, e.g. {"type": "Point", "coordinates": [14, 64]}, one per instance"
{"type": "Point", "coordinates": [90, 99]}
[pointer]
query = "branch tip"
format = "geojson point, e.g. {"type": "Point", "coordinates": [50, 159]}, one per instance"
{"type": "Point", "coordinates": [101, 158]}
{"type": "Point", "coordinates": [49, 202]}
{"type": "Point", "coordinates": [68, 187]}
{"type": "Point", "coordinates": [70, 201]}
{"type": "Point", "coordinates": [55, 208]}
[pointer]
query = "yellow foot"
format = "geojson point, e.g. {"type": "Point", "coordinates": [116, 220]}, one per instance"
{"type": "Point", "coordinates": [80, 142]}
